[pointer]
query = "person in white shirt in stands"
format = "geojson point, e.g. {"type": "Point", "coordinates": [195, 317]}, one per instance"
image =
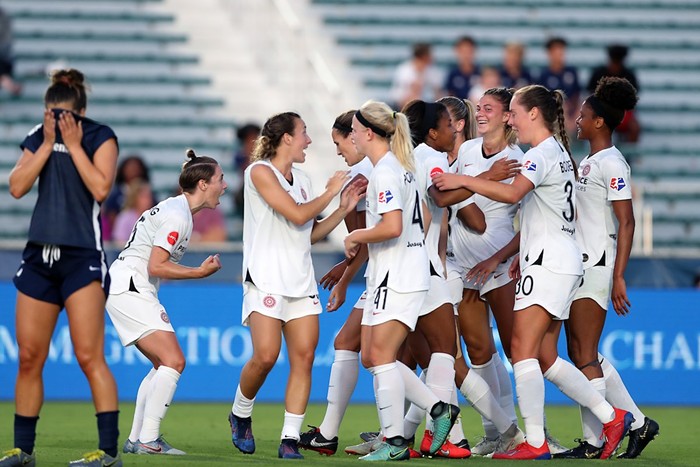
{"type": "Point", "coordinates": [604, 231]}
{"type": "Point", "coordinates": [398, 277]}
{"type": "Point", "coordinates": [416, 78]}
{"type": "Point", "coordinates": [280, 295]}
{"type": "Point", "coordinates": [549, 268]}
{"type": "Point", "coordinates": [153, 252]}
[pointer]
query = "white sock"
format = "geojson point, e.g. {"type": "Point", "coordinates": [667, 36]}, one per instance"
{"type": "Point", "coordinates": [341, 384]}
{"type": "Point", "coordinates": [616, 392]}
{"type": "Point", "coordinates": [242, 406]}
{"type": "Point", "coordinates": [415, 390]}
{"type": "Point", "coordinates": [457, 432]}
{"type": "Point", "coordinates": [141, 397]}
{"type": "Point", "coordinates": [575, 385]}
{"type": "Point", "coordinates": [592, 428]}
{"type": "Point", "coordinates": [506, 387]}
{"type": "Point", "coordinates": [479, 394]}
{"type": "Point", "coordinates": [529, 387]}
{"type": "Point", "coordinates": [489, 374]}
{"type": "Point", "coordinates": [440, 379]}
{"type": "Point", "coordinates": [292, 425]}
{"type": "Point", "coordinates": [390, 394]}
{"type": "Point", "coordinates": [158, 400]}
{"type": "Point", "coordinates": [414, 414]}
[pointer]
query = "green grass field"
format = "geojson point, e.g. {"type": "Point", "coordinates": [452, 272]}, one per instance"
{"type": "Point", "coordinates": [68, 429]}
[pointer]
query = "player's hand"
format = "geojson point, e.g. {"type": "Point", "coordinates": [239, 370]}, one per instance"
{"type": "Point", "coordinates": [337, 181]}
{"type": "Point", "coordinates": [481, 272]}
{"type": "Point", "coordinates": [447, 181]}
{"type": "Point", "coordinates": [49, 128]}
{"type": "Point", "coordinates": [351, 246]}
{"type": "Point", "coordinates": [503, 169]}
{"type": "Point", "coordinates": [332, 277]}
{"type": "Point", "coordinates": [621, 303]}
{"type": "Point", "coordinates": [210, 265]}
{"type": "Point", "coordinates": [337, 297]}
{"type": "Point", "coordinates": [352, 194]}
{"type": "Point", "coordinates": [514, 269]}
{"type": "Point", "coordinates": [71, 131]}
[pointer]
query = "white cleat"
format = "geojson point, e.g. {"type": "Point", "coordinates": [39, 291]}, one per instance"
{"type": "Point", "coordinates": [158, 446]}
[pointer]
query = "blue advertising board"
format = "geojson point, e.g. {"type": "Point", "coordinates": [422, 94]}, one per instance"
{"type": "Point", "coordinates": [656, 349]}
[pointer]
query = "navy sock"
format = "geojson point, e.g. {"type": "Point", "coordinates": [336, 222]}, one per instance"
{"type": "Point", "coordinates": [25, 433]}
{"type": "Point", "coordinates": [108, 431]}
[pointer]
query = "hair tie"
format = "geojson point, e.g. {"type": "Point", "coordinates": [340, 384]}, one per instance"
{"type": "Point", "coordinates": [393, 115]}
{"type": "Point", "coordinates": [361, 118]}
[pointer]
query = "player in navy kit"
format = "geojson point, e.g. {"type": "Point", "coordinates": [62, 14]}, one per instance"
{"type": "Point", "coordinates": [63, 264]}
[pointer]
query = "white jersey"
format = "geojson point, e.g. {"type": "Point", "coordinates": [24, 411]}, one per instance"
{"type": "Point", "coordinates": [429, 163]}
{"type": "Point", "coordinates": [276, 252]}
{"type": "Point", "coordinates": [604, 178]}
{"type": "Point", "coordinates": [547, 213]}
{"type": "Point", "coordinates": [471, 247]}
{"type": "Point", "coordinates": [452, 220]}
{"type": "Point", "coordinates": [168, 225]}
{"type": "Point", "coordinates": [364, 168]}
{"type": "Point", "coordinates": [402, 260]}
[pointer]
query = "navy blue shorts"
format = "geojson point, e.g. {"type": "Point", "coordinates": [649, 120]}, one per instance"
{"type": "Point", "coordinates": [51, 273]}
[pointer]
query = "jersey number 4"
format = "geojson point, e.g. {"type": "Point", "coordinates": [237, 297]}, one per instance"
{"type": "Point", "coordinates": [417, 216]}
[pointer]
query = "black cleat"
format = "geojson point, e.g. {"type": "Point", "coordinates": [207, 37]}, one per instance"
{"type": "Point", "coordinates": [313, 440]}
{"type": "Point", "coordinates": [369, 435]}
{"type": "Point", "coordinates": [584, 450]}
{"type": "Point", "coordinates": [463, 444]}
{"type": "Point", "coordinates": [639, 439]}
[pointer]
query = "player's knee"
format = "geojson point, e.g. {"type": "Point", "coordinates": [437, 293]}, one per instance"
{"type": "Point", "coordinates": [31, 359]}
{"type": "Point", "coordinates": [176, 362]}
{"type": "Point", "coordinates": [265, 361]}
{"type": "Point", "coordinates": [89, 361]}
{"type": "Point", "coordinates": [302, 359]}
{"type": "Point", "coordinates": [479, 354]}
{"type": "Point", "coordinates": [344, 342]}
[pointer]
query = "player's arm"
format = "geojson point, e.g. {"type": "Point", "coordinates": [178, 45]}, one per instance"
{"type": "Point", "coordinates": [389, 227]}
{"type": "Point", "coordinates": [625, 234]}
{"type": "Point", "coordinates": [159, 265]}
{"type": "Point", "coordinates": [351, 195]}
{"type": "Point", "coordinates": [472, 217]}
{"type": "Point", "coordinates": [30, 164]}
{"type": "Point", "coordinates": [502, 169]}
{"type": "Point", "coordinates": [501, 192]}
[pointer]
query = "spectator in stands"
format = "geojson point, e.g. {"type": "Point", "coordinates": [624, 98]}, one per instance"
{"type": "Point", "coordinates": [417, 78]}
{"type": "Point", "coordinates": [247, 134]}
{"type": "Point", "coordinates": [558, 75]}
{"type": "Point", "coordinates": [513, 72]}
{"type": "Point", "coordinates": [465, 73]}
{"type": "Point", "coordinates": [139, 198]}
{"type": "Point", "coordinates": [209, 226]}
{"type": "Point", "coordinates": [490, 79]}
{"type": "Point", "coordinates": [7, 81]}
{"type": "Point", "coordinates": [130, 168]}
{"type": "Point", "coordinates": [617, 53]}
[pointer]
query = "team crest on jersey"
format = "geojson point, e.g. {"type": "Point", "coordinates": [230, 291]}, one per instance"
{"type": "Point", "coordinates": [617, 183]}
{"type": "Point", "coordinates": [529, 165]}
{"type": "Point", "coordinates": [164, 317]}
{"type": "Point", "coordinates": [303, 194]}
{"type": "Point", "coordinates": [436, 171]}
{"type": "Point", "coordinates": [385, 196]}
{"type": "Point", "coordinates": [172, 237]}
{"type": "Point", "coordinates": [269, 301]}
{"type": "Point", "coordinates": [586, 170]}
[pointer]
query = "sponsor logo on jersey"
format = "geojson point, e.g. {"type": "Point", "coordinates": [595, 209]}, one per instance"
{"type": "Point", "coordinates": [617, 183]}
{"type": "Point", "coordinates": [303, 194]}
{"type": "Point", "coordinates": [172, 237]}
{"type": "Point", "coordinates": [269, 301]}
{"type": "Point", "coordinates": [164, 317]}
{"type": "Point", "coordinates": [435, 171]}
{"type": "Point", "coordinates": [385, 196]}
{"type": "Point", "coordinates": [529, 165]}
{"type": "Point", "coordinates": [586, 169]}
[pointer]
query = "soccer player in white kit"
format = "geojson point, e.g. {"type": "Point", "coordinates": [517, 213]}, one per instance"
{"type": "Point", "coordinates": [550, 269]}
{"type": "Point", "coordinates": [398, 276]}
{"type": "Point", "coordinates": [280, 295]}
{"type": "Point", "coordinates": [604, 231]}
{"type": "Point", "coordinates": [153, 252]}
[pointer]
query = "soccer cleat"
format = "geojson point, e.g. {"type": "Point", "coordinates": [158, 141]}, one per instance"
{"type": "Point", "coordinates": [525, 451]}
{"type": "Point", "coordinates": [97, 458]}
{"type": "Point", "coordinates": [614, 431]}
{"type": "Point", "coordinates": [157, 446]}
{"type": "Point", "coordinates": [17, 458]}
{"type": "Point", "coordinates": [413, 454]}
{"type": "Point", "coordinates": [554, 445]}
{"type": "Point", "coordinates": [463, 444]}
{"type": "Point", "coordinates": [369, 435]}
{"type": "Point", "coordinates": [128, 447]}
{"type": "Point", "coordinates": [511, 439]}
{"type": "Point", "coordinates": [447, 450]}
{"type": "Point", "coordinates": [313, 440]}
{"type": "Point", "coordinates": [242, 433]}
{"type": "Point", "coordinates": [288, 449]}
{"type": "Point", "coordinates": [364, 448]}
{"type": "Point", "coordinates": [389, 452]}
{"type": "Point", "coordinates": [639, 439]}
{"type": "Point", "coordinates": [442, 424]}
{"type": "Point", "coordinates": [584, 450]}
{"type": "Point", "coordinates": [485, 446]}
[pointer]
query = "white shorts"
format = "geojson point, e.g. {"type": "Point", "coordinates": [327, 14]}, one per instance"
{"type": "Point", "coordinates": [438, 294]}
{"type": "Point", "coordinates": [277, 306]}
{"type": "Point", "coordinates": [384, 304]}
{"type": "Point", "coordinates": [552, 291]}
{"type": "Point", "coordinates": [360, 303]}
{"type": "Point", "coordinates": [454, 285]}
{"type": "Point", "coordinates": [597, 285]}
{"type": "Point", "coordinates": [498, 278]}
{"type": "Point", "coordinates": [136, 315]}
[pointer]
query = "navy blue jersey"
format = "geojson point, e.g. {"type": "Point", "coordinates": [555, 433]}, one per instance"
{"type": "Point", "coordinates": [566, 80]}
{"type": "Point", "coordinates": [66, 213]}
{"type": "Point", "coordinates": [459, 84]}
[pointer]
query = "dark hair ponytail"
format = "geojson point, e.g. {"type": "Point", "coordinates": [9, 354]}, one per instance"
{"type": "Point", "coordinates": [195, 169]}
{"type": "Point", "coordinates": [67, 86]}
